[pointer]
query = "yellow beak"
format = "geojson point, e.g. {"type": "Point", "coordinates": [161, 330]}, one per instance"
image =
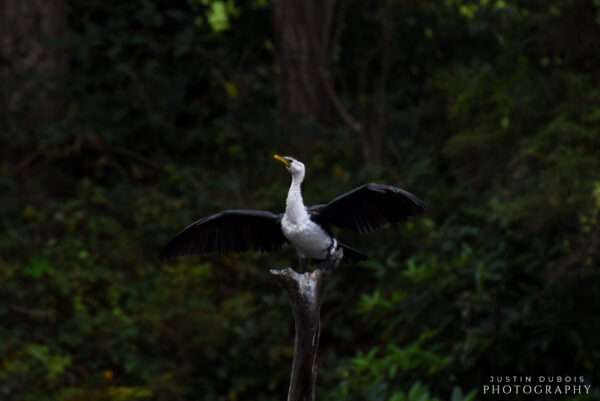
{"type": "Point", "coordinates": [281, 159]}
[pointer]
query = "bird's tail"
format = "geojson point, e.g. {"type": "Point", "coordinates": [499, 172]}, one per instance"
{"type": "Point", "coordinates": [353, 255]}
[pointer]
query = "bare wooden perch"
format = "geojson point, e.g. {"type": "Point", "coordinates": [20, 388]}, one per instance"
{"type": "Point", "coordinates": [305, 291]}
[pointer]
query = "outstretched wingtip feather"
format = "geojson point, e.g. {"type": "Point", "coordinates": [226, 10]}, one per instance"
{"type": "Point", "coordinates": [228, 231]}
{"type": "Point", "coordinates": [369, 207]}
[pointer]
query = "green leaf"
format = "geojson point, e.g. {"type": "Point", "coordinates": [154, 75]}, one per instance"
{"type": "Point", "coordinates": [38, 267]}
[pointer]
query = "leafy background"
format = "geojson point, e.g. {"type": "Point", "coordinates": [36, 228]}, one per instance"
{"type": "Point", "coordinates": [172, 112]}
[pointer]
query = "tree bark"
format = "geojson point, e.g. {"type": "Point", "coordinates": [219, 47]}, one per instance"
{"type": "Point", "coordinates": [306, 34]}
{"type": "Point", "coordinates": [32, 63]}
{"type": "Point", "coordinates": [306, 295]}
{"type": "Point", "coordinates": [304, 30]}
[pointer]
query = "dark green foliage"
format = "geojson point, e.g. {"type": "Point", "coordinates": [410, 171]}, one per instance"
{"type": "Point", "coordinates": [490, 113]}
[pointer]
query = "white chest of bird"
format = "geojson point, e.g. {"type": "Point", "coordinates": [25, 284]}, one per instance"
{"type": "Point", "coordinates": [309, 239]}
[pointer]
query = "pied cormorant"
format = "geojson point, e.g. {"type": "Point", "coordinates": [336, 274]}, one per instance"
{"type": "Point", "coordinates": [364, 209]}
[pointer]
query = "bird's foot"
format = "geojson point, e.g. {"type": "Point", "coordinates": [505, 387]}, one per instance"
{"type": "Point", "coordinates": [332, 262]}
{"type": "Point", "coordinates": [303, 265]}
{"type": "Point", "coordinates": [328, 265]}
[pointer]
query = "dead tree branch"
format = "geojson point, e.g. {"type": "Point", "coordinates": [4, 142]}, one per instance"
{"type": "Point", "coordinates": [305, 291]}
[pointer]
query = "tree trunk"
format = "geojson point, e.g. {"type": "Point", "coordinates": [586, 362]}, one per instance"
{"type": "Point", "coordinates": [304, 30]}
{"type": "Point", "coordinates": [32, 61]}
{"type": "Point", "coordinates": [306, 295]}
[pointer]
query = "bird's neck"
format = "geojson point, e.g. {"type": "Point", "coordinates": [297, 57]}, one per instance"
{"type": "Point", "coordinates": [295, 210]}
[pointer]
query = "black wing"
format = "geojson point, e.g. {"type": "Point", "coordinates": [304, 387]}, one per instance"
{"type": "Point", "coordinates": [353, 255]}
{"type": "Point", "coordinates": [368, 207]}
{"type": "Point", "coordinates": [228, 231]}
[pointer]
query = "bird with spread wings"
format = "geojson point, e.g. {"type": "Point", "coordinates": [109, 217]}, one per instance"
{"type": "Point", "coordinates": [308, 229]}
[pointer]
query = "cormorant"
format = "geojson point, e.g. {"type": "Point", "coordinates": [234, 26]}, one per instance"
{"type": "Point", "coordinates": [363, 209]}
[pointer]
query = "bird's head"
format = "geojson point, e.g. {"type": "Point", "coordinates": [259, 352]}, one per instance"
{"type": "Point", "coordinates": [295, 167]}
